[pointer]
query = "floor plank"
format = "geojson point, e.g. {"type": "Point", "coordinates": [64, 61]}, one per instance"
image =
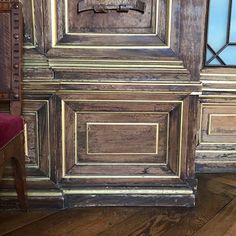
{"type": "Point", "coordinates": [13, 220]}
{"type": "Point", "coordinates": [148, 222]}
{"type": "Point", "coordinates": [222, 223]}
{"type": "Point", "coordinates": [209, 202]}
{"type": "Point", "coordinates": [73, 222]}
{"type": "Point", "coordinates": [215, 214]}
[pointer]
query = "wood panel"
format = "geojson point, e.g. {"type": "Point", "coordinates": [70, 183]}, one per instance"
{"type": "Point", "coordinates": [132, 22]}
{"type": "Point", "coordinates": [33, 25]}
{"type": "Point", "coordinates": [216, 149]}
{"type": "Point", "coordinates": [112, 28]}
{"type": "Point", "coordinates": [92, 131]}
{"type": "Point", "coordinates": [36, 115]}
{"type": "Point", "coordinates": [122, 138]}
{"type": "Point", "coordinates": [5, 44]}
{"type": "Point", "coordinates": [218, 123]}
{"type": "Point", "coordinates": [215, 210]}
{"type": "Point", "coordinates": [111, 101]}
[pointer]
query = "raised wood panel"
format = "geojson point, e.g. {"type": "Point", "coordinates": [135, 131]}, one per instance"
{"type": "Point", "coordinates": [218, 124]}
{"type": "Point", "coordinates": [132, 22]}
{"type": "Point", "coordinates": [36, 115]}
{"type": "Point", "coordinates": [132, 28]}
{"type": "Point", "coordinates": [222, 124]}
{"type": "Point", "coordinates": [29, 22]}
{"type": "Point", "coordinates": [33, 24]}
{"type": "Point", "coordinates": [121, 138]}
{"type": "Point", "coordinates": [216, 150]}
{"type": "Point", "coordinates": [138, 118]}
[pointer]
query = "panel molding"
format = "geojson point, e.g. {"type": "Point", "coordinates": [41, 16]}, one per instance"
{"type": "Point", "coordinates": [40, 110]}
{"type": "Point", "coordinates": [156, 125]}
{"type": "Point", "coordinates": [65, 176]}
{"type": "Point", "coordinates": [54, 39]}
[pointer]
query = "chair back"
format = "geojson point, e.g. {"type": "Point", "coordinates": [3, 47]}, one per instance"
{"type": "Point", "coordinates": [11, 54]}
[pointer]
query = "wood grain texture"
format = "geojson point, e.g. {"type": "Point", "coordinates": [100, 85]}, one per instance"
{"type": "Point", "coordinates": [15, 219]}
{"type": "Point", "coordinates": [223, 223]}
{"type": "Point", "coordinates": [214, 214]}
{"type": "Point", "coordinates": [216, 147]}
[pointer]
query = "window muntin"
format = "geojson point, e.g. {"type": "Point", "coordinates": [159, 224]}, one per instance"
{"type": "Point", "coordinates": [221, 35]}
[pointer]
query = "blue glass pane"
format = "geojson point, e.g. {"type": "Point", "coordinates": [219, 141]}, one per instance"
{"type": "Point", "coordinates": [215, 62]}
{"type": "Point", "coordinates": [232, 38]}
{"type": "Point", "coordinates": [209, 55]}
{"type": "Point", "coordinates": [229, 55]}
{"type": "Point", "coordinates": [217, 25]}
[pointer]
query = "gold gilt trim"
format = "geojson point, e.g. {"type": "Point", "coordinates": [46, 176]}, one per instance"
{"type": "Point", "coordinates": [117, 64]}
{"type": "Point", "coordinates": [110, 34]}
{"type": "Point", "coordinates": [181, 137]}
{"type": "Point", "coordinates": [156, 125]}
{"type": "Point", "coordinates": [216, 151]}
{"type": "Point", "coordinates": [128, 191]}
{"type": "Point", "coordinates": [32, 194]}
{"type": "Point", "coordinates": [45, 102]}
{"type": "Point", "coordinates": [124, 164]}
{"type": "Point", "coordinates": [26, 139]}
{"type": "Point", "coordinates": [116, 177]}
{"type": "Point", "coordinates": [218, 74]}
{"type": "Point", "coordinates": [215, 161]}
{"type": "Point", "coordinates": [119, 164]}
{"type": "Point", "coordinates": [35, 115]}
{"type": "Point", "coordinates": [212, 105]}
{"type": "Point", "coordinates": [210, 124]}
{"type": "Point", "coordinates": [40, 82]}
{"type": "Point", "coordinates": [121, 177]}
{"type": "Point", "coordinates": [29, 178]}
{"type": "Point", "coordinates": [72, 46]}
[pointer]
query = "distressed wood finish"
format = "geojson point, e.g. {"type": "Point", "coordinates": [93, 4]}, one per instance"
{"type": "Point", "coordinates": [11, 64]}
{"type": "Point", "coordinates": [111, 103]}
{"type": "Point", "coordinates": [216, 146]}
{"type": "Point", "coordinates": [213, 215]}
{"type": "Point", "coordinates": [10, 92]}
{"type": "Point", "coordinates": [14, 152]}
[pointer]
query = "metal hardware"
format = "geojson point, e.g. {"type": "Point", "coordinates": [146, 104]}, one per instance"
{"type": "Point", "coordinates": [88, 5]}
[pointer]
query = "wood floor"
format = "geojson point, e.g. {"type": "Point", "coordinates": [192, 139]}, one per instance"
{"type": "Point", "coordinates": [215, 214]}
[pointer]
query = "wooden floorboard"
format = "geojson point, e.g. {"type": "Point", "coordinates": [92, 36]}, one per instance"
{"type": "Point", "coordinates": [215, 214]}
{"type": "Point", "coordinates": [224, 221]}
{"type": "Point", "coordinates": [10, 221]}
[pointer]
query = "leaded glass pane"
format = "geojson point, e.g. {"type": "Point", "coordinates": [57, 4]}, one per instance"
{"type": "Point", "coordinates": [221, 37]}
{"type": "Point", "coordinates": [233, 24]}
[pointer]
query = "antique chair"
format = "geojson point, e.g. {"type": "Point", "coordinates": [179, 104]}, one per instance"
{"type": "Point", "coordinates": [11, 125]}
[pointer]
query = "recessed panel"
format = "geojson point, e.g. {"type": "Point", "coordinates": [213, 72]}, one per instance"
{"type": "Point", "coordinates": [112, 16]}
{"type": "Point", "coordinates": [29, 21]}
{"type": "Point", "coordinates": [222, 124]}
{"type": "Point", "coordinates": [122, 138]}
{"type": "Point", "coordinates": [31, 138]}
{"type": "Point", "coordinates": [119, 137]}
{"type": "Point", "coordinates": [122, 23]}
{"type": "Point", "coordinates": [218, 124]}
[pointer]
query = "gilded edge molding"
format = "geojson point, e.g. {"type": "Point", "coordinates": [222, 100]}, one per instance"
{"type": "Point", "coordinates": [114, 177]}
{"type": "Point", "coordinates": [54, 32]}
{"type": "Point", "coordinates": [201, 143]}
{"type": "Point", "coordinates": [210, 132]}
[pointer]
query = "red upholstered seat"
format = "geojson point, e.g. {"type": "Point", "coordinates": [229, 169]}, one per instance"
{"type": "Point", "coordinates": [10, 127]}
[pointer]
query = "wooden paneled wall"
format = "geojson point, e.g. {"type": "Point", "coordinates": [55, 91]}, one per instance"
{"type": "Point", "coordinates": [117, 103]}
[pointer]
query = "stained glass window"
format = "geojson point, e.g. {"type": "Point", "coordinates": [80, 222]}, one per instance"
{"type": "Point", "coordinates": [221, 36]}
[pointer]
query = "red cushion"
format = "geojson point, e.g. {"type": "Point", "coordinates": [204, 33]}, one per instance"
{"type": "Point", "coordinates": [10, 126]}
